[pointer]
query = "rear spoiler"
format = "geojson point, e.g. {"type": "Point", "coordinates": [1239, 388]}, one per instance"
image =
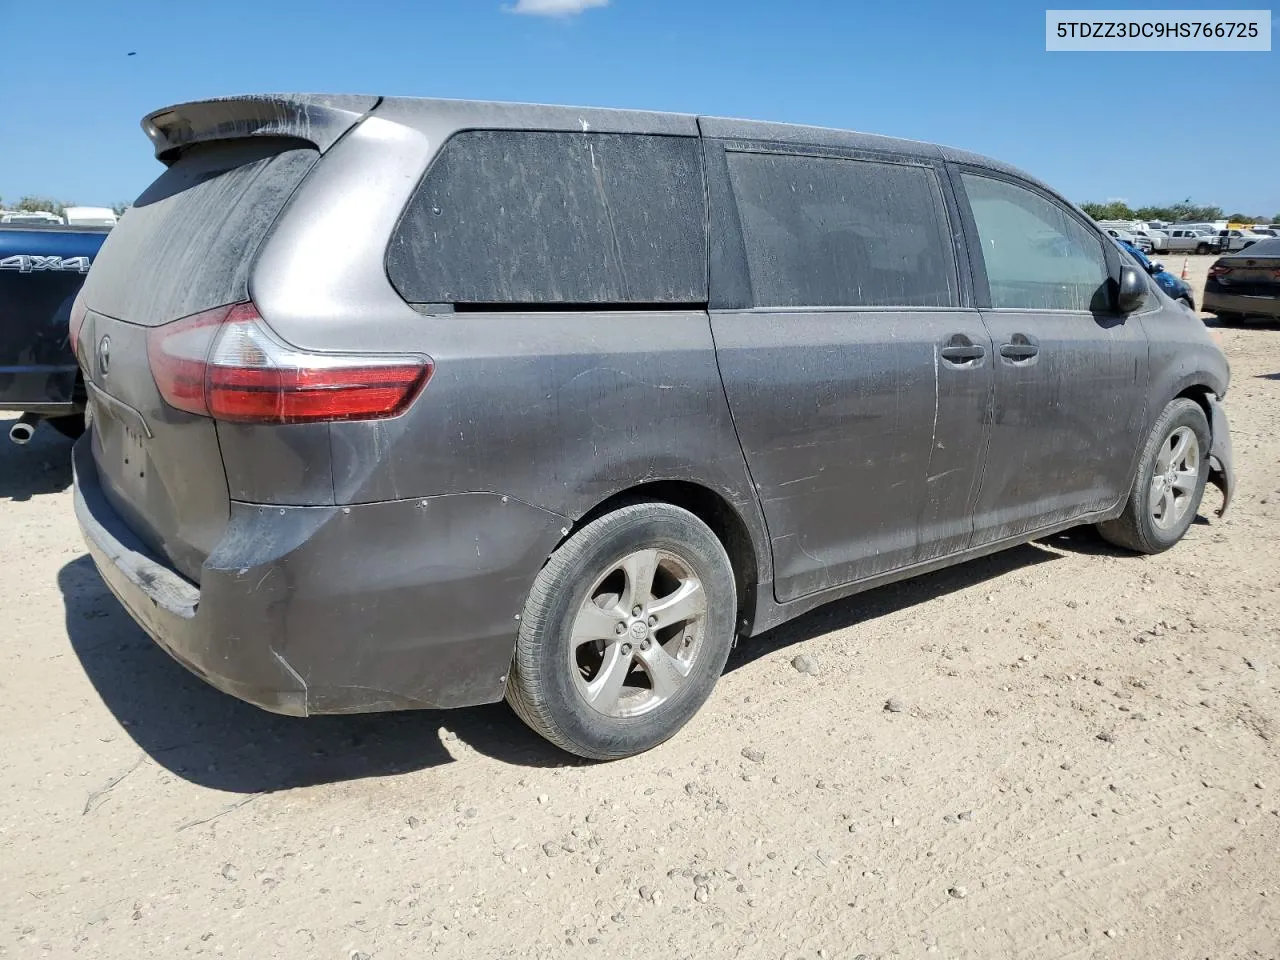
{"type": "Point", "coordinates": [317, 118]}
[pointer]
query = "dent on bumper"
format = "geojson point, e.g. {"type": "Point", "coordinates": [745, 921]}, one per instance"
{"type": "Point", "coordinates": [304, 610]}
{"type": "Point", "coordinates": [1221, 464]}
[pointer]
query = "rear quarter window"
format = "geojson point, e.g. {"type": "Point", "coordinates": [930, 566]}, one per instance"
{"type": "Point", "coordinates": [825, 231]}
{"type": "Point", "coordinates": [524, 217]}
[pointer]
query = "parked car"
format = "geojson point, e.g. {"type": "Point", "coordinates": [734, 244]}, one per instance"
{"type": "Point", "coordinates": [1177, 288]}
{"type": "Point", "coordinates": [1191, 240]}
{"type": "Point", "coordinates": [1245, 284]}
{"type": "Point", "coordinates": [41, 270]}
{"type": "Point", "coordinates": [420, 403]}
{"type": "Point", "coordinates": [1137, 232]}
{"type": "Point", "coordinates": [1230, 240]}
{"type": "Point", "coordinates": [91, 216]}
{"type": "Point", "coordinates": [1141, 242]}
{"type": "Point", "coordinates": [1157, 240]}
{"type": "Point", "coordinates": [37, 218]}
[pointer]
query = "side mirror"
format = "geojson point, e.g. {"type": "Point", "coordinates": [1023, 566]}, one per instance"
{"type": "Point", "coordinates": [1133, 291]}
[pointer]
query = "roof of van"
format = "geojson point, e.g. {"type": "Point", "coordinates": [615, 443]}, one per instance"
{"type": "Point", "coordinates": [322, 118]}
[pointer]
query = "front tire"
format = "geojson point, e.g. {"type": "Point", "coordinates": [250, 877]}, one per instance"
{"type": "Point", "coordinates": [1202, 248]}
{"type": "Point", "coordinates": [1170, 482]}
{"type": "Point", "coordinates": [625, 632]}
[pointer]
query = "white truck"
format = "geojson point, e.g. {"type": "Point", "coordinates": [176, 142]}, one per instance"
{"type": "Point", "coordinates": [1158, 239]}
{"type": "Point", "coordinates": [1232, 240]}
{"type": "Point", "coordinates": [90, 216]}
{"type": "Point", "coordinates": [1142, 243]}
{"type": "Point", "coordinates": [1191, 240]}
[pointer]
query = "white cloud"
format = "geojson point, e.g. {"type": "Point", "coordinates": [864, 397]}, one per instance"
{"type": "Point", "coordinates": [554, 8]}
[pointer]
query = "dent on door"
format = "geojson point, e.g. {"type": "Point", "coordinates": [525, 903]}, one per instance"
{"type": "Point", "coordinates": [864, 435]}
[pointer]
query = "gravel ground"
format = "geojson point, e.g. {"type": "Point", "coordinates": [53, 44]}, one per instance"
{"type": "Point", "coordinates": [1057, 751]}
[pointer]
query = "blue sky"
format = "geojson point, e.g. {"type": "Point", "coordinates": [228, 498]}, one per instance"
{"type": "Point", "coordinates": [1139, 126]}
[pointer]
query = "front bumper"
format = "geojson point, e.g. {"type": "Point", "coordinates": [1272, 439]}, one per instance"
{"type": "Point", "coordinates": [306, 610]}
{"type": "Point", "coordinates": [1222, 470]}
{"type": "Point", "coordinates": [1215, 301]}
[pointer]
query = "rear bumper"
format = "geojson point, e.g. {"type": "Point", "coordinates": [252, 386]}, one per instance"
{"type": "Point", "coordinates": [48, 390]}
{"type": "Point", "coordinates": [305, 610]}
{"type": "Point", "coordinates": [1217, 302]}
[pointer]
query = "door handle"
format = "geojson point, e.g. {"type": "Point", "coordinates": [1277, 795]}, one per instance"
{"type": "Point", "coordinates": [963, 354]}
{"type": "Point", "coordinates": [961, 350]}
{"type": "Point", "coordinates": [1021, 349]}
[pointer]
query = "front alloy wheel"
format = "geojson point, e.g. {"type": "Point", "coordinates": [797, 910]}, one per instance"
{"type": "Point", "coordinates": [1176, 478]}
{"type": "Point", "coordinates": [1166, 492]}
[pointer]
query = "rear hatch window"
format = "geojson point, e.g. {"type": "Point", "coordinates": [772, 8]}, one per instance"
{"type": "Point", "coordinates": [188, 242]}
{"type": "Point", "coordinates": [187, 245]}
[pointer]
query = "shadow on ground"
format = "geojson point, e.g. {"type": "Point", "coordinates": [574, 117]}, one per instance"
{"type": "Point", "coordinates": [881, 602]}
{"type": "Point", "coordinates": [210, 738]}
{"type": "Point", "coordinates": [42, 466]}
{"type": "Point", "coordinates": [213, 739]}
{"type": "Point", "coordinates": [1252, 323]}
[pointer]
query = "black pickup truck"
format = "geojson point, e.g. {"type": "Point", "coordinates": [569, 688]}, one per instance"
{"type": "Point", "coordinates": [41, 271]}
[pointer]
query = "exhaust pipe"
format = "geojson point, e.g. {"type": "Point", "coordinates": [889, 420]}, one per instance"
{"type": "Point", "coordinates": [22, 431]}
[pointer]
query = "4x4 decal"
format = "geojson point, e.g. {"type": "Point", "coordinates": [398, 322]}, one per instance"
{"type": "Point", "coordinates": [33, 263]}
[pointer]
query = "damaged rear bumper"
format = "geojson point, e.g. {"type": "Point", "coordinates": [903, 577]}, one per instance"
{"type": "Point", "coordinates": [1221, 466]}
{"type": "Point", "coordinates": [305, 610]}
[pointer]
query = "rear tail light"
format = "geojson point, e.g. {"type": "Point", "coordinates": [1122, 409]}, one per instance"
{"type": "Point", "coordinates": [1218, 270]}
{"type": "Point", "coordinates": [76, 323]}
{"type": "Point", "coordinates": [226, 364]}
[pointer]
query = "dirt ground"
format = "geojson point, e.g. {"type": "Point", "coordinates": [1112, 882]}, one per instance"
{"type": "Point", "coordinates": [1085, 763]}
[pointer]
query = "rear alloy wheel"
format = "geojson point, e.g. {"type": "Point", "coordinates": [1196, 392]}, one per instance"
{"type": "Point", "coordinates": [1170, 482]}
{"type": "Point", "coordinates": [625, 632]}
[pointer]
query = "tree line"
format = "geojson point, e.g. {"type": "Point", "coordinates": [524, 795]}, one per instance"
{"type": "Point", "coordinates": [1185, 212]}
{"type": "Point", "coordinates": [33, 204]}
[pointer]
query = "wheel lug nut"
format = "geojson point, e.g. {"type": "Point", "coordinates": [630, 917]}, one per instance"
{"type": "Point", "coordinates": [644, 645]}
{"type": "Point", "coordinates": [653, 621]}
{"type": "Point", "coordinates": [637, 610]}
{"type": "Point", "coordinates": [688, 640]}
{"type": "Point", "coordinates": [626, 649]}
{"type": "Point", "coordinates": [620, 629]}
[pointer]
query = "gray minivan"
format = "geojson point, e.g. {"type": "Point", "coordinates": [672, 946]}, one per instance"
{"type": "Point", "coordinates": [422, 403]}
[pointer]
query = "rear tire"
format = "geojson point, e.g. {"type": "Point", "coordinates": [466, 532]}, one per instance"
{"type": "Point", "coordinates": [595, 678]}
{"type": "Point", "coordinates": [1202, 248]}
{"type": "Point", "coordinates": [1170, 482]}
{"type": "Point", "coordinates": [71, 426]}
